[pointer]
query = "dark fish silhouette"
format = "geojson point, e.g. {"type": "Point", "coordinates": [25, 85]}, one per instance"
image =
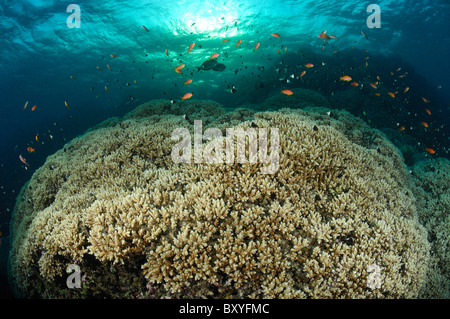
{"type": "Point", "coordinates": [211, 64]}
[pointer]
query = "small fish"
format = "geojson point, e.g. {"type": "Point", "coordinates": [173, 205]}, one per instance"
{"type": "Point", "coordinates": [72, 77]}
{"type": "Point", "coordinates": [430, 150]}
{"type": "Point", "coordinates": [186, 96]}
{"type": "Point", "coordinates": [191, 47]}
{"type": "Point", "coordinates": [109, 67]}
{"type": "Point", "coordinates": [67, 105]}
{"type": "Point", "coordinates": [373, 85]}
{"type": "Point", "coordinates": [354, 84]}
{"type": "Point", "coordinates": [135, 82]}
{"type": "Point", "coordinates": [365, 35]}
{"type": "Point", "coordinates": [367, 65]}
{"type": "Point", "coordinates": [425, 100]}
{"type": "Point", "coordinates": [378, 94]}
{"type": "Point", "coordinates": [36, 138]}
{"type": "Point", "coordinates": [180, 66]}
{"type": "Point", "coordinates": [225, 40]}
{"type": "Point", "coordinates": [143, 27]}
{"type": "Point", "coordinates": [256, 47]}
{"type": "Point", "coordinates": [98, 68]}
{"type": "Point", "coordinates": [302, 74]}
{"type": "Point", "coordinates": [34, 107]}
{"type": "Point", "coordinates": [276, 35]}
{"type": "Point", "coordinates": [113, 56]}
{"type": "Point", "coordinates": [326, 37]}
{"type": "Point", "coordinates": [214, 56]}
{"type": "Point", "coordinates": [428, 111]}
{"type": "Point", "coordinates": [424, 124]}
{"type": "Point", "coordinates": [238, 43]}
{"type": "Point", "coordinates": [346, 78]}
{"type": "Point", "coordinates": [188, 82]}
{"type": "Point", "coordinates": [166, 51]}
{"type": "Point", "coordinates": [287, 92]}
{"type": "Point", "coordinates": [279, 52]}
{"type": "Point", "coordinates": [178, 71]}
{"type": "Point", "coordinates": [25, 106]}
{"type": "Point", "coordinates": [401, 128]}
{"type": "Point", "coordinates": [309, 65]}
{"type": "Point", "coordinates": [23, 160]}
{"type": "Point", "coordinates": [392, 95]}
{"type": "Point", "coordinates": [30, 149]}
{"type": "Point", "coordinates": [406, 89]}
{"type": "Point", "coordinates": [106, 89]}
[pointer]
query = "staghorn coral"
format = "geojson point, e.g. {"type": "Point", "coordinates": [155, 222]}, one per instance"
{"type": "Point", "coordinates": [432, 180]}
{"type": "Point", "coordinates": [141, 226]}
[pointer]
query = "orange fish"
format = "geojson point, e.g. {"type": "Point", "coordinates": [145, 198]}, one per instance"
{"type": "Point", "coordinates": [23, 160]}
{"type": "Point", "coordinates": [109, 67]}
{"type": "Point", "coordinates": [256, 47]}
{"type": "Point", "coordinates": [309, 65]}
{"type": "Point", "coordinates": [178, 71]}
{"type": "Point", "coordinates": [401, 128]}
{"type": "Point", "coordinates": [67, 105]}
{"type": "Point", "coordinates": [302, 74]}
{"type": "Point", "coordinates": [354, 84]}
{"type": "Point", "coordinates": [424, 124]}
{"type": "Point", "coordinates": [425, 100]}
{"type": "Point", "coordinates": [34, 107]}
{"type": "Point", "coordinates": [135, 82]}
{"type": "Point", "coordinates": [326, 37]}
{"type": "Point", "coordinates": [276, 35]}
{"type": "Point", "coordinates": [188, 82]}
{"type": "Point", "coordinates": [166, 51]}
{"type": "Point", "coordinates": [30, 149]}
{"type": "Point", "coordinates": [180, 66]}
{"type": "Point", "coordinates": [430, 150]}
{"type": "Point", "coordinates": [225, 40]}
{"type": "Point", "coordinates": [406, 89]}
{"type": "Point", "coordinates": [378, 78]}
{"type": "Point", "coordinates": [378, 94]}
{"type": "Point", "coordinates": [373, 85]}
{"type": "Point", "coordinates": [113, 56]}
{"type": "Point", "coordinates": [287, 92]}
{"type": "Point", "coordinates": [214, 56]}
{"type": "Point", "coordinates": [428, 111]}
{"type": "Point", "coordinates": [143, 27]}
{"type": "Point", "coordinates": [36, 138]}
{"type": "Point", "coordinates": [238, 43]}
{"type": "Point", "coordinates": [392, 95]}
{"type": "Point", "coordinates": [186, 96]}
{"type": "Point", "coordinates": [346, 78]}
{"type": "Point", "coordinates": [191, 47]}
{"type": "Point", "coordinates": [279, 52]}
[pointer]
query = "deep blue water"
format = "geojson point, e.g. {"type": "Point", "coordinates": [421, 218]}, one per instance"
{"type": "Point", "coordinates": [46, 63]}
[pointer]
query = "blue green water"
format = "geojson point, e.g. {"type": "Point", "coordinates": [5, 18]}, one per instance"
{"type": "Point", "coordinates": [47, 63]}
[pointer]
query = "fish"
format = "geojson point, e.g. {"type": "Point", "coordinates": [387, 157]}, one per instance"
{"type": "Point", "coordinates": [279, 52]}
{"type": "Point", "coordinates": [378, 94]}
{"type": "Point", "coordinates": [346, 78]}
{"type": "Point", "coordinates": [406, 89]}
{"type": "Point", "coordinates": [135, 82]}
{"type": "Point", "coordinates": [430, 150]}
{"type": "Point", "coordinates": [98, 68]}
{"type": "Point", "coordinates": [109, 67]}
{"type": "Point", "coordinates": [25, 106]}
{"type": "Point", "coordinates": [166, 51]}
{"type": "Point", "coordinates": [373, 85]}
{"type": "Point", "coordinates": [238, 43]}
{"type": "Point", "coordinates": [225, 40]}
{"type": "Point", "coordinates": [186, 96]}
{"type": "Point", "coordinates": [180, 66]}
{"type": "Point", "coordinates": [287, 92]}
{"type": "Point", "coordinates": [424, 124]}
{"type": "Point", "coordinates": [428, 111]}
{"type": "Point", "coordinates": [401, 128]}
{"type": "Point", "coordinates": [214, 56]}
{"type": "Point", "coordinates": [188, 82]}
{"type": "Point", "coordinates": [23, 160]}
{"type": "Point", "coordinates": [30, 149]}
{"type": "Point", "coordinates": [34, 107]}
{"type": "Point", "coordinates": [106, 89]}
{"type": "Point", "coordinates": [36, 138]}
{"type": "Point", "coordinates": [67, 105]}
{"type": "Point", "coordinates": [325, 36]}
{"type": "Point", "coordinates": [113, 56]}
{"type": "Point", "coordinates": [366, 65]}
{"type": "Point", "coordinates": [276, 35]}
{"type": "Point", "coordinates": [143, 27]}
{"type": "Point", "coordinates": [392, 95]}
{"type": "Point", "coordinates": [425, 100]}
{"type": "Point", "coordinates": [191, 47]}
{"type": "Point", "coordinates": [309, 65]}
{"type": "Point", "coordinates": [256, 47]}
{"type": "Point", "coordinates": [178, 71]}
{"type": "Point", "coordinates": [302, 74]}
{"type": "Point", "coordinates": [365, 35]}
{"type": "Point", "coordinates": [354, 84]}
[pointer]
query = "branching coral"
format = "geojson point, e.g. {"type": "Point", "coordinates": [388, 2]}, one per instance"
{"type": "Point", "coordinates": [114, 202]}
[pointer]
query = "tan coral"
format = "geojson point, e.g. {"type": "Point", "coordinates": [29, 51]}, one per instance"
{"type": "Point", "coordinates": [120, 208]}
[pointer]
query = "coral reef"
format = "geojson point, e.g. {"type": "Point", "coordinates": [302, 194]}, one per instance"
{"type": "Point", "coordinates": [141, 226]}
{"type": "Point", "coordinates": [432, 178]}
